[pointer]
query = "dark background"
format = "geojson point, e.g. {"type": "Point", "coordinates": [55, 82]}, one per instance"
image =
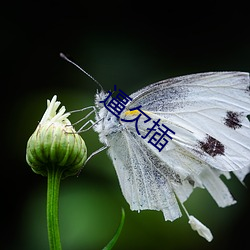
{"type": "Point", "coordinates": [130, 44]}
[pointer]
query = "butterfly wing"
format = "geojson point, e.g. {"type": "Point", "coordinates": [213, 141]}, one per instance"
{"type": "Point", "coordinates": [211, 106]}
{"type": "Point", "coordinates": [152, 180]}
{"type": "Point", "coordinates": [208, 113]}
{"type": "Point", "coordinates": [141, 183]}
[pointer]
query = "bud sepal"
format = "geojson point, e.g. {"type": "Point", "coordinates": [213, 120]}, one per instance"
{"type": "Point", "coordinates": [55, 143]}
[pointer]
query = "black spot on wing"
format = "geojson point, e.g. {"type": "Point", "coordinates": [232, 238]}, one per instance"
{"type": "Point", "coordinates": [190, 181]}
{"type": "Point", "coordinates": [233, 119]}
{"type": "Point", "coordinates": [212, 146]}
{"type": "Point", "coordinates": [248, 89]}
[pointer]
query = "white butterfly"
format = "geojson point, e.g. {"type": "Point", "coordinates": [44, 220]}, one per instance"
{"type": "Point", "coordinates": [207, 116]}
{"type": "Point", "coordinates": [208, 113]}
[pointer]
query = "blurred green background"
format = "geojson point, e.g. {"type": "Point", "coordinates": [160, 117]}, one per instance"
{"type": "Point", "coordinates": [118, 43]}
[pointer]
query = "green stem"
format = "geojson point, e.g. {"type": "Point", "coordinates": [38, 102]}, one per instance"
{"type": "Point", "coordinates": [54, 177]}
{"type": "Point", "coordinates": [117, 234]}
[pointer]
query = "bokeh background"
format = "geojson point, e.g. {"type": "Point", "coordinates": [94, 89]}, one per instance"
{"type": "Point", "coordinates": [130, 44]}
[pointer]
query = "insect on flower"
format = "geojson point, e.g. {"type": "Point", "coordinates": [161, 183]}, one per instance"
{"type": "Point", "coordinates": [204, 119]}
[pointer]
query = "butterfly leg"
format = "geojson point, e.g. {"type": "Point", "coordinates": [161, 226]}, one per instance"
{"type": "Point", "coordinates": [96, 152]}
{"type": "Point", "coordinates": [86, 116]}
{"type": "Point", "coordinates": [81, 129]}
{"type": "Point", "coordinates": [84, 125]}
{"type": "Point", "coordinates": [92, 154]}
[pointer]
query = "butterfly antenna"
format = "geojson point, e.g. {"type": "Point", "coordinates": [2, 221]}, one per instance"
{"type": "Point", "coordinates": [90, 76]}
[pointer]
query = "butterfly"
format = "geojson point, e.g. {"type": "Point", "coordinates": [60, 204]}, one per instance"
{"type": "Point", "coordinates": [175, 135]}
{"type": "Point", "coordinates": [208, 113]}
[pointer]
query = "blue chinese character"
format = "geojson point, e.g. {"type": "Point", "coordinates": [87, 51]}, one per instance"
{"type": "Point", "coordinates": [136, 119]}
{"type": "Point", "coordinates": [117, 104]}
{"type": "Point", "coordinates": [158, 139]}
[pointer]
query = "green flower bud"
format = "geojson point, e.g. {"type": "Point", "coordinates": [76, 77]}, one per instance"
{"type": "Point", "coordinates": [55, 144]}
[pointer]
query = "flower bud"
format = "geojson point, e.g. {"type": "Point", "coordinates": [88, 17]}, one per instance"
{"type": "Point", "coordinates": [55, 144]}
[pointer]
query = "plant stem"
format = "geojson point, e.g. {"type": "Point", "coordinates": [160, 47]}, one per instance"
{"type": "Point", "coordinates": [54, 177]}
{"type": "Point", "coordinates": [117, 234]}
